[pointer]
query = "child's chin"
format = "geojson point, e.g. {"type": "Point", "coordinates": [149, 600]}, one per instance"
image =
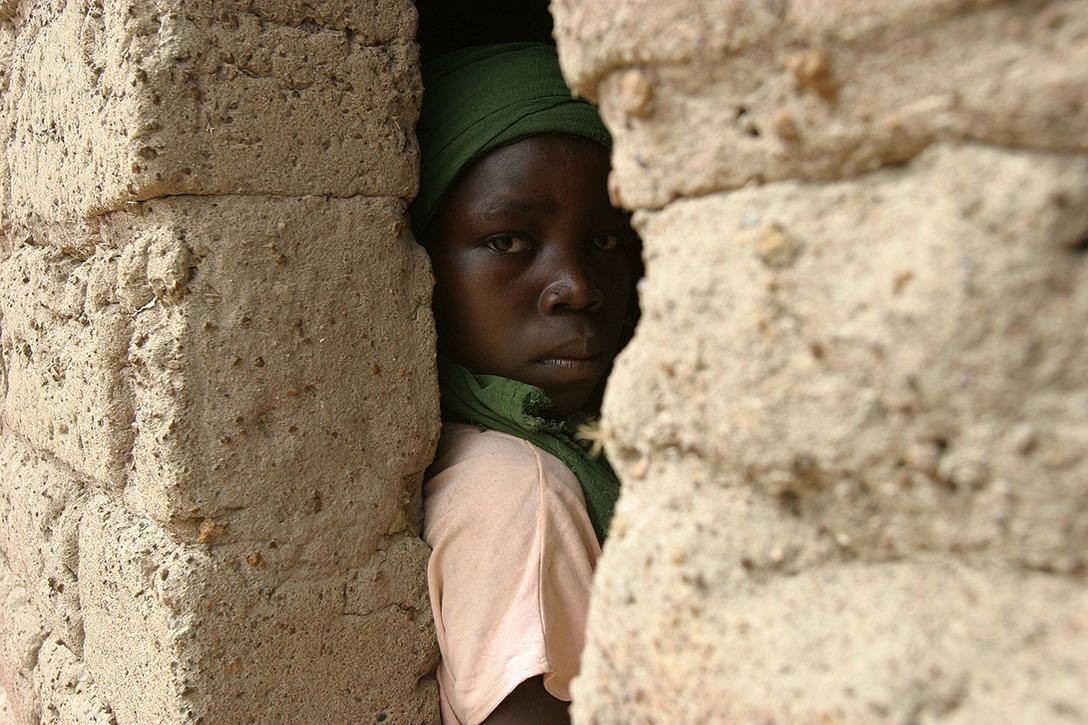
{"type": "Point", "coordinates": [571, 388]}
{"type": "Point", "coordinates": [566, 402]}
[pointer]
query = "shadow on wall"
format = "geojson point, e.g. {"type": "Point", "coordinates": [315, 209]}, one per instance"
{"type": "Point", "coordinates": [446, 25]}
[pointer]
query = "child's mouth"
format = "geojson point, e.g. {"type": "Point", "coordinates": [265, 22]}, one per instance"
{"type": "Point", "coordinates": [574, 363]}
{"type": "Point", "coordinates": [575, 370]}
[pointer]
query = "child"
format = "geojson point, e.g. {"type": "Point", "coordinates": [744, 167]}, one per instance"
{"type": "Point", "coordinates": [534, 289]}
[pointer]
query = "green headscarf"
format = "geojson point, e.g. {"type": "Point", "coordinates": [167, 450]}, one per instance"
{"type": "Point", "coordinates": [477, 99]}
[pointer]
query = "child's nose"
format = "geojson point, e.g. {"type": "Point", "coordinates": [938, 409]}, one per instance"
{"type": "Point", "coordinates": [571, 288]}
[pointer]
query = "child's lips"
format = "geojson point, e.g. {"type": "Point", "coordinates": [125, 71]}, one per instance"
{"type": "Point", "coordinates": [578, 361]}
{"type": "Point", "coordinates": [574, 363]}
{"type": "Point", "coordinates": [575, 371]}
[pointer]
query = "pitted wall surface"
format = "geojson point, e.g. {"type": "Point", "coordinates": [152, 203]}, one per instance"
{"type": "Point", "coordinates": [852, 425]}
{"type": "Point", "coordinates": [218, 384]}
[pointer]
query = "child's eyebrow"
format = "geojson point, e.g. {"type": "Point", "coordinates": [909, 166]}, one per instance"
{"type": "Point", "coordinates": [503, 207]}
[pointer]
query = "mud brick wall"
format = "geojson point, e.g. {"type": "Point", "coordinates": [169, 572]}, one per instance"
{"type": "Point", "coordinates": [853, 423]}
{"type": "Point", "coordinates": [217, 364]}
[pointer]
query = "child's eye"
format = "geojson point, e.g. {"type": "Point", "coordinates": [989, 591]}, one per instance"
{"type": "Point", "coordinates": [507, 244]}
{"type": "Point", "coordinates": [606, 242]}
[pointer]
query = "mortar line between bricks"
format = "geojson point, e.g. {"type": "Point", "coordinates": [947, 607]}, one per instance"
{"type": "Point", "coordinates": [84, 483]}
{"type": "Point", "coordinates": [811, 180]}
{"type": "Point", "coordinates": [126, 384]}
{"type": "Point", "coordinates": [89, 482]}
{"type": "Point", "coordinates": [136, 203]}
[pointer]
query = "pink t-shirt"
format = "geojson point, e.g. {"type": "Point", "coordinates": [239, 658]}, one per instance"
{"type": "Point", "coordinates": [509, 576]}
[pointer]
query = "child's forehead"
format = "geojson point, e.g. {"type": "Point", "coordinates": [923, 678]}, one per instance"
{"type": "Point", "coordinates": [529, 174]}
{"type": "Point", "coordinates": [510, 163]}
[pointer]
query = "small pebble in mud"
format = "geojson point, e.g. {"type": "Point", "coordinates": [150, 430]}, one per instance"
{"type": "Point", "coordinates": [776, 248]}
{"type": "Point", "coordinates": [970, 474]}
{"type": "Point", "coordinates": [783, 125]}
{"type": "Point", "coordinates": [209, 531]}
{"type": "Point", "coordinates": [924, 456]}
{"type": "Point", "coordinates": [902, 279]}
{"type": "Point", "coordinates": [812, 70]}
{"type": "Point", "coordinates": [636, 93]}
{"type": "Point", "coordinates": [614, 197]}
{"type": "Point", "coordinates": [256, 561]}
{"type": "Point", "coordinates": [805, 465]}
{"type": "Point", "coordinates": [1024, 438]}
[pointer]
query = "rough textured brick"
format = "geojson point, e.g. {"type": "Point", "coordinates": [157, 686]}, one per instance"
{"type": "Point", "coordinates": [895, 409]}
{"type": "Point", "coordinates": [803, 90]}
{"type": "Point", "coordinates": [278, 370]}
{"type": "Point", "coordinates": [41, 503]}
{"type": "Point", "coordinates": [67, 694]}
{"type": "Point", "coordinates": [137, 99]}
{"type": "Point", "coordinates": [827, 380]}
{"type": "Point", "coordinates": [64, 344]}
{"type": "Point", "coordinates": [240, 631]}
{"type": "Point", "coordinates": [7, 44]}
{"type": "Point", "coordinates": [21, 635]}
{"type": "Point", "coordinates": [130, 634]}
{"type": "Point", "coordinates": [853, 422]}
{"type": "Point", "coordinates": [217, 363]}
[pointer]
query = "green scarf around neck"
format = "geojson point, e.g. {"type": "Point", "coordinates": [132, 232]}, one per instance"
{"type": "Point", "coordinates": [513, 407]}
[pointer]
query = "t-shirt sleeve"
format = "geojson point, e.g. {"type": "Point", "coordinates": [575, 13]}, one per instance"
{"type": "Point", "coordinates": [509, 576]}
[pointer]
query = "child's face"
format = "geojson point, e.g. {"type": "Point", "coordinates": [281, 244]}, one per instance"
{"type": "Point", "coordinates": [534, 267]}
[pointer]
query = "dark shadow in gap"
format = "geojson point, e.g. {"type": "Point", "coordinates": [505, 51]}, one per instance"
{"type": "Point", "coordinates": [446, 25]}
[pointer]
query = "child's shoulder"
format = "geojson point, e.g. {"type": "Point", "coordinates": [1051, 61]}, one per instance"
{"type": "Point", "coordinates": [461, 441]}
{"type": "Point", "coordinates": [492, 463]}
{"type": "Point", "coordinates": [491, 489]}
